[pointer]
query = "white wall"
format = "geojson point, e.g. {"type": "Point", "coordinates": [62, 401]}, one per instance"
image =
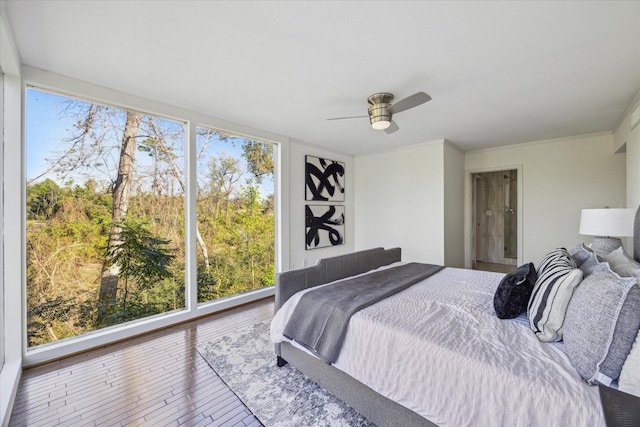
{"type": "Point", "coordinates": [633, 167]}
{"type": "Point", "coordinates": [628, 139]}
{"type": "Point", "coordinates": [11, 278]}
{"type": "Point", "coordinates": [399, 202]}
{"type": "Point", "coordinates": [633, 177]}
{"type": "Point", "coordinates": [453, 206]}
{"type": "Point", "coordinates": [13, 242]}
{"type": "Point", "coordinates": [298, 255]}
{"type": "Point", "coordinates": [559, 178]}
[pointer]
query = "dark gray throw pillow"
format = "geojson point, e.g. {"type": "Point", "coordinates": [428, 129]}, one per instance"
{"type": "Point", "coordinates": [513, 293]}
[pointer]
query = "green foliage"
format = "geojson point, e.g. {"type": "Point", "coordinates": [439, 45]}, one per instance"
{"type": "Point", "coordinates": [144, 262]}
{"type": "Point", "coordinates": [67, 246]}
{"type": "Point", "coordinates": [243, 246]}
{"type": "Point", "coordinates": [43, 200]}
{"type": "Point", "coordinates": [164, 296]}
{"type": "Point", "coordinates": [51, 319]}
{"type": "Point", "coordinates": [259, 156]}
{"type": "Point", "coordinates": [141, 256]}
{"type": "Point", "coordinates": [68, 228]}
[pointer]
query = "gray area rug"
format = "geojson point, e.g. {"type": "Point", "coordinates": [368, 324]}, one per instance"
{"type": "Point", "coordinates": [279, 397]}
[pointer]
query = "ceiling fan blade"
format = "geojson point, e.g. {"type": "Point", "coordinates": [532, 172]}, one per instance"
{"type": "Point", "coordinates": [409, 102]}
{"type": "Point", "coordinates": [392, 127]}
{"type": "Point", "coordinates": [352, 117]}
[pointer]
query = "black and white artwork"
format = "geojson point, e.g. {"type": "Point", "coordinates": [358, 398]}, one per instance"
{"type": "Point", "coordinates": [324, 226]}
{"type": "Point", "coordinates": [324, 179]}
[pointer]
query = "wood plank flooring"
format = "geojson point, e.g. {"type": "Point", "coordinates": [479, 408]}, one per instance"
{"type": "Point", "coordinates": [496, 268]}
{"type": "Point", "coordinates": [157, 379]}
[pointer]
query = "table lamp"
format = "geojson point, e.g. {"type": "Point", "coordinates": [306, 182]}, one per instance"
{"type": "Point", "coordinates": [608, 225]}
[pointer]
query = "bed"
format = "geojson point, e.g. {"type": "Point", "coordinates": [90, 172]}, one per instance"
{"type": "Point", "coordinates": [448, 360]}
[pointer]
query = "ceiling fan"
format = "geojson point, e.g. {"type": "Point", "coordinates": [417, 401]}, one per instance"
{"type": "Point", "coordinates": [381, 110]}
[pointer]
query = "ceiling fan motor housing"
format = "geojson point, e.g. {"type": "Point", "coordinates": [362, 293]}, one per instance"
{"type": "Point", "coordinates": [379, 115]}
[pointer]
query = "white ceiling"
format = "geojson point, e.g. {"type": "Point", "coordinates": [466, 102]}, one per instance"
{"type": "Point", "coordinates": [498, 72]}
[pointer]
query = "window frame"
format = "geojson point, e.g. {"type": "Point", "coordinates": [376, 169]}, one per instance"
{"type": "Point", "coordinates": [2, 300]}
{"type": "Point", "coordinates": [12, 277]}
{"type": "Point", "coordinates": [244, 137]}
{"type": "Point", "coordinates": [66, 86]}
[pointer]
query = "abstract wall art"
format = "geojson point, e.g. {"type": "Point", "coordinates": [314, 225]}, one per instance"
{"type": "Point", "coordinates": [324, 179]}
{"type": "Point", "coordinates": [324, 226]}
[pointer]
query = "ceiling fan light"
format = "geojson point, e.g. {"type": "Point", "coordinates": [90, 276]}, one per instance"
{"type": "Point", "coordinates": [379, 116]}
{"type": "Point", "coordinates": [380, 124]}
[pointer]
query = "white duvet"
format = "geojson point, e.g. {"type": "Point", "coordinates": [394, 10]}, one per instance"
{"type": "Point", "coordinates": [439, 349]}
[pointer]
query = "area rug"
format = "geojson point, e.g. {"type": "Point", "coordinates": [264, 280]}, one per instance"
{"type": "Point", "coordinates": [278, 397]}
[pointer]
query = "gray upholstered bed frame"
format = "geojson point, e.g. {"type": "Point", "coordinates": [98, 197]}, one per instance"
{"type": "Point", "coordinates": [636, 236]}
{"type": "Point", "coordinates": [377, 408]}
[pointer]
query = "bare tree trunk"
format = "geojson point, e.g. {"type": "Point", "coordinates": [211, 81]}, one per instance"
{"type": "Point", "coordinates": [123, 184]}
{"type": "Point", "coordinates": [177, 173]}
{"type": "Point", "coordinates": [121, 193]}
{"type": "Point", "coordinates": [203, 248]}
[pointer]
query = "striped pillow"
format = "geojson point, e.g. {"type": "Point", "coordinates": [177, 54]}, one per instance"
{"type": "Point", "coordinates": [557, 278]}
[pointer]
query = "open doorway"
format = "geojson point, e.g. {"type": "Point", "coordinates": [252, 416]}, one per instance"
{"type": "Point", "coordinates": [495, 220]}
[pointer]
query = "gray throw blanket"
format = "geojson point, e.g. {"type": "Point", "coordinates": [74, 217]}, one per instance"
{"type": "Point", "coordinates": [319, 321]}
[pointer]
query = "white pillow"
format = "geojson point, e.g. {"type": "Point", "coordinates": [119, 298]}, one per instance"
{"type": "Point", "coordinates": [623, 264]}
{"type": "Point", "coordinates": [629, 381]}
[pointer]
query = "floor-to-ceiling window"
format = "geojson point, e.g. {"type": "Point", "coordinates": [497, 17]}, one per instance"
{"type": "Point", "coordinates": [105, 196]}
{"type": "Point", "coordinates": [235, 214]}
{"type": "Point", "coordinates": [108, 219]}
{"type": "Point", "coordinates": [2, 310]}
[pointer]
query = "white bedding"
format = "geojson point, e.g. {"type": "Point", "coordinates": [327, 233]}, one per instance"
{"type": "Point", "coordinates": [439, 349]}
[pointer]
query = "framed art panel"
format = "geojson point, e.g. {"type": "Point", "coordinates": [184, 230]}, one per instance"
{"type": "Point", "coordinates": [324, 179]}
{"type": "Point", "coordinates": [324, 226]}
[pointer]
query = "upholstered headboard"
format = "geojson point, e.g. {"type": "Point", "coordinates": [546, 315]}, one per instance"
{"type": "Point", "coordinates": [329, 269]}
{"type": "Point", "coordinates": [636, 236]}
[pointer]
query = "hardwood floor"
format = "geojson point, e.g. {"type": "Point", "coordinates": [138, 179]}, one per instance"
{"type": "Point", "coordinates": [496, 268]}
{"type": "Point", "coordinates": [158, 379]}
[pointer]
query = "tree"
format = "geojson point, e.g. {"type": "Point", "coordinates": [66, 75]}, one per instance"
{"type": "Point", "coordinates": [224, 173]}
{"type": "Point", "coordinates": [92, 150]}
{"type": "Point", "coordinates": [121, 194]}
{"type": "Point", "coordinates": [142, 258]}
{"type": "Point", "coordinates": [131, 166]}
{"type": "Point", "coordinates": [259, 157]}
{"type": "Point", "coordinates": [43, 199]}
{"type": "Point", "coordinates": [161, 149]}
{"type": "Point", "coordinates": [63, 258]}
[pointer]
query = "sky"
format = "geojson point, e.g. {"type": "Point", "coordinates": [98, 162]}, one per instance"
{"type": "Point", "coordinates": [45, 130]}
{"type": "Point", "coordinates": [47, 127]}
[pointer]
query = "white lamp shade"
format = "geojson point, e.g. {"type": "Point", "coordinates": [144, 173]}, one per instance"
{"type": "Point", "coordinates": [607, 222]}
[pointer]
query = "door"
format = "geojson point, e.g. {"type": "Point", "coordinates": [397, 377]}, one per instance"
{"type": "Point", "coordinates": [495, 217]}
